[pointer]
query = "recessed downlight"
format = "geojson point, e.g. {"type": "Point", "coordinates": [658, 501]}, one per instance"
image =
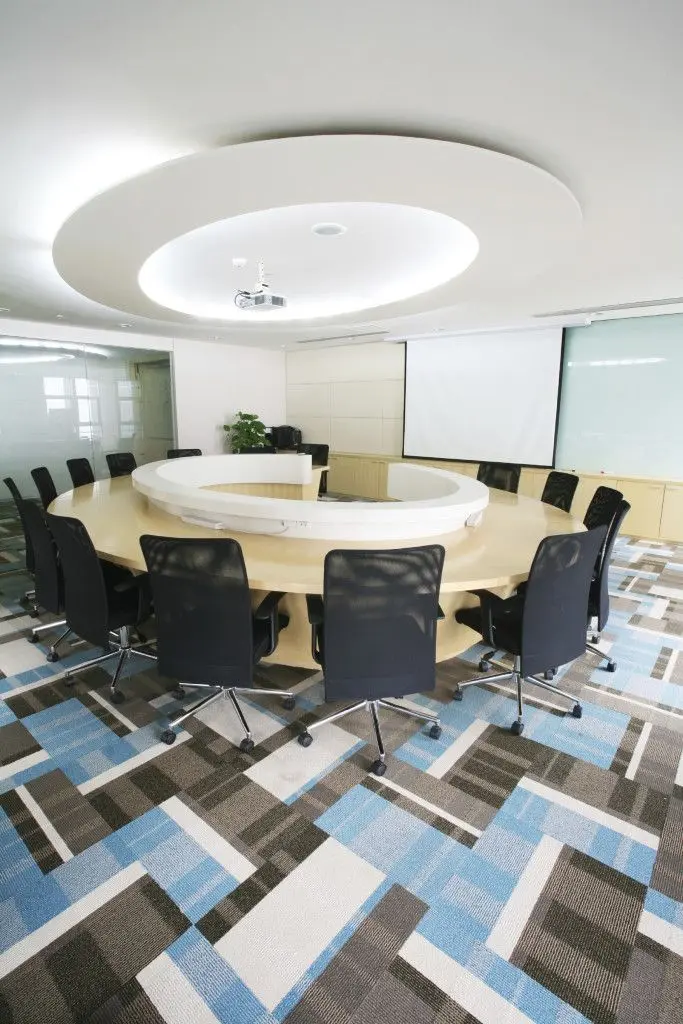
{"type": "Point", "coordinates": [328, 229]}
{"type": "Point", "coordinates": [124, 325]}
{"type": "Point", "coordinates": [59, 316]}
{"type": "Point", "coordinates": [4, 309]}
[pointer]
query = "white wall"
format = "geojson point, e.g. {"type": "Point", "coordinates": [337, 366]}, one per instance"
{"type": "Point", "coordinates": [350, 397]}
{"type": "Point", "coordinates": [213, 382]}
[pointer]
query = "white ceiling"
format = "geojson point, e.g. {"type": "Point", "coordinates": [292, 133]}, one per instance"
{"type": "Point", "coordinates": [590, 91]}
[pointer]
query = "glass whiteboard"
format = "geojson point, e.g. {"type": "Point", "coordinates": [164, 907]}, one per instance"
{"type": "Point", "coordinates": [621, 407]}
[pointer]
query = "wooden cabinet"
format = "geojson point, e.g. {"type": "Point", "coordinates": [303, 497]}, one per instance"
{"type": "Point", "coordinates": [532, 482]}
{"type": "Point", "coordinates": [656, 506]}
{"type": "Point", "coordinates": [646, 500]}
{"type": "Point", "coordinates": [671, 523]}
{"type": "Point", "coordinates": [360, 477]}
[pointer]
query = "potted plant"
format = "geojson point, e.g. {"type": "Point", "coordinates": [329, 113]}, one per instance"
{"type": "Point", "coordinates": [246, 432]}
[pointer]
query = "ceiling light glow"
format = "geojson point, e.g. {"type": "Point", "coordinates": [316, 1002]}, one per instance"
{"type": "Point", "coordinates": [391, 253]}
{"type": "Point", "coordinates": [63, 346]}
{"type": "Point", "coordinates": [6, 360]}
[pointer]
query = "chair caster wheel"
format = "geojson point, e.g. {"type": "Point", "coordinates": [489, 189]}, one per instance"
{"type": "Point", "coordinates": [577, 711]}
{"type": "Point", "coordinates": [549, 674]}
{"type": "Point", "coordinates": [168, 737]}
{"type": "Point", "coordinates": [595, 639]}
{"type": "Point", "coordinates": [484, 666]}
{"type": "Point", "coordinates": [289, 703]}
{"type": "Point", "coordinates": [141, 636]}
{"type": "Point", "coordinates": [457, 694]}
{"type": "Point", "coordinates": [517, 728]}
{"type": "Point", "coordinates": [435, 732]}
{"type": "Point", "coordinates": [117, 697]}
{"type": "Point", "coordinates": [305, 739]}
{"type": "Point", "coordinates": [378, 767]}
{"type": "Point", "coordinates": [178, 693]}
{"type": "Point", "coordinates": [52, 656]}
{"type": "Point", "coordinates": [69, 680]}
{"type": "Point", "coordinates": [611, 666]}
{"type": "Point", "coordinates": [247, 745]}
{"type": "Point", "coordinates": [34, 613]}
{"type": "Point", "coordinates": [33, 639]}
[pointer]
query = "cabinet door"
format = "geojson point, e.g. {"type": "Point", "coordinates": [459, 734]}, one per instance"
{"type": "Point", "coordinates": [340, 474]}
{"type": "Point", "coordinates": [585, 491]}
{"type": "Point", "coordinates": [531, 482]}
{"type": "Point", "coordinates": [646, 500]}
{"type": "Point", "coordinates": [671, 524]}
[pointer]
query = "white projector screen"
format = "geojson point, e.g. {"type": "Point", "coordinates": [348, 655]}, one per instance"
{"type": "Point", "coordinates": [483, 397]}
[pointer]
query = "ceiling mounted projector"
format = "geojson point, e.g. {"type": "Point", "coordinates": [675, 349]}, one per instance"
{"type": "Point", "coordinates": [261, 296]}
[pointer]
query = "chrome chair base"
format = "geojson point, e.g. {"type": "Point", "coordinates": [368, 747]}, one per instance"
{"type": "Point", "coordinates": [123, 651]}
{"type": "Point", "coordinates": [517, 678]}
{"type": "Point", "coordinates": [230, 693]}
{"type": "Point", "coordinates": [379, 766]}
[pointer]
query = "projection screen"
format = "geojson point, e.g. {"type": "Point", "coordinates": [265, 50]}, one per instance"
{"type": "Point", "coordinates": [483, 397]}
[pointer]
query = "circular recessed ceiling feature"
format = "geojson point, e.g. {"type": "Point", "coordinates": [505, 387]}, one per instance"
{"type": "Point", "coordinates": [131, 248]}
{"type": "Point", "coordinates": [391, 253]}
{"type": "Point", "coordinates": [328, 230]}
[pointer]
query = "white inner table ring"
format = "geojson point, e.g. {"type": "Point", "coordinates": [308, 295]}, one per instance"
{"type": "Point", "coordinates": [422, 501]}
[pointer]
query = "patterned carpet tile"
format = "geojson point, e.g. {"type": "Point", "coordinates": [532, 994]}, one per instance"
{"type": "Point", "coordinates": [486, 877]}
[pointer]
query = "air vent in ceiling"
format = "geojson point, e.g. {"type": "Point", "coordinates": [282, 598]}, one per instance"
{"type": "Point", "coordinates": [356, 336]}
{"type": "Point", "coordinates": [620, 307]}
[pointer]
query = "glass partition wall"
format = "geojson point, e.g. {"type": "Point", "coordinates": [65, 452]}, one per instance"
{"type": "Point", "coordinates": [59, 402]}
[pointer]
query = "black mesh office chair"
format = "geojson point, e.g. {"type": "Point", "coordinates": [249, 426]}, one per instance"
{"type": "Point", "coordinates": [374, 632]}
{"type": "Point", "coordinates": [182, 453]}
{"type": "Point", "coordinates": [504, 476]}
{"type": "Point", "coordinates": [30, 595]}
{"type": "Point", "coordinates": [80, 472]}
{"type": "Point", "coordinates": [121, 464]}
{"type": "Point", "coordinates": [48, 577]}
{"type": "Point", "coordinates": [42, 478]}
{"type": "Point", "coordinates": [598, 597]}
{"type": "Point", "coordinates": [259, 449]}
{"type": "Point", "coordinates": [320, 456]}
{"type": "Point", "coordinates": [559, 490]}
{"type": "Point", "coordinates": [99, 598]}
{"type": "Point", "coordinates": [544, 625]}
{"type": "Point", "coordinates": [207, 635]}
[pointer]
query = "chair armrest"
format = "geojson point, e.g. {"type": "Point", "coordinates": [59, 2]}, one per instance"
{"type": "Point", "coordinates": [268, 606]}
{"type": "Point", "coordinates": [316, 609]}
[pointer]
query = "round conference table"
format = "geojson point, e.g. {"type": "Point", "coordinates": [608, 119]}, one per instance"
{"type": "Point", "coordinates": [496, 555]}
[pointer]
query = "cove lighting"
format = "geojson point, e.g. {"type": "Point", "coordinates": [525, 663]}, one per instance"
{"type": "Point", "coordinates": [62, 346]}
{"type": "Point", "coordinates": [6, 360]}
{"type": "Point", "coordinates": [620, 362]}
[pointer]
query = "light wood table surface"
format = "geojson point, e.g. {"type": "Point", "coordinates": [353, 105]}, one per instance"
{"type": "Point", "coordinates": [496, 555]}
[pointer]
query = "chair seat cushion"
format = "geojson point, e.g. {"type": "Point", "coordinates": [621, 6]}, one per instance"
{"type": "Point", "coordinates": [506, 621]}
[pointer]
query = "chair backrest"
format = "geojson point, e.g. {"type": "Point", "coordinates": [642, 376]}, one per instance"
{"type": "Point", "coordinates": [559, 490]}
{"type": "Point", "coordinates": [319, 453]}
{"type": "Point", "coordinates": [80, 472]}
{"type": "Point", "coordinates": [259, 449]}
{"type": "Point", "coordinates": [379, 631]}
{"type": "Point", "coordinates": [504, 476]}
{"type": "Point", "coordinates": [49, 582]}
{"type": "Point", "coordinates": [182, 453]}
{"type": "Point", "coordinates": [19, 504]}
{"type": "Point", "coordinates": [556, 600]}
{"type": "Point", "coordinates": [121, 464]}
{"type": "Point", "coordinates": [202, 605]}
{"type": "Point", "coordinates": [42, 478]}
{"type": "Point", "coordinates": [85, 595]}
{"type": "Point", "coordinates": [598, 601]}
